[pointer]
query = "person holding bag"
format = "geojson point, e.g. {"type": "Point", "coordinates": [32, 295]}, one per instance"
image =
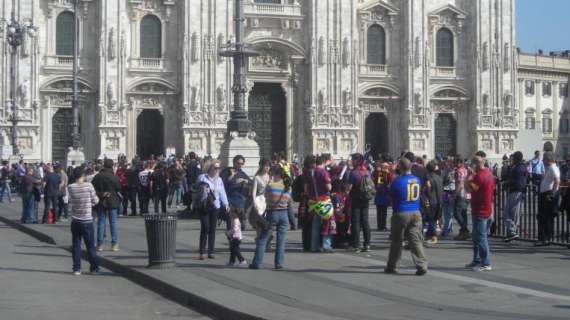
{"type": "Point", "coordinates": [211, 199]}
{"type": "Point", "coordinates": [317, 186]}
{"type": "Point", "coordinates": [107, 186]}
{"type": "Point", "coordinates": [278, 195]}
{"type": "Point", "coordinates": [259, 203]}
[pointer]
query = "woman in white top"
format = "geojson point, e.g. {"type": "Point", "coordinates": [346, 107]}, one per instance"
{"type": "Point", "coordinates": [547, 200]}
{"type": "Point", "coordinates": [260, 182]}
{"type": "Point", "coordinates": [211, 199]}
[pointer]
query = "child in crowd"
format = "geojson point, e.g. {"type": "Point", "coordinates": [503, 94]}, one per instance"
{"type": "Point", "coordinates": [235, 236]}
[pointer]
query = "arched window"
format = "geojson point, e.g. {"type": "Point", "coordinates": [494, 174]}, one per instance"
{"type": "Point", "coordinates": [65, 34]}
{"type": "Point", "coordinates": [376, 45]}
{"type": "Point", "coordinates": [151, 37]}
{"type": "Point", "coordinates": [445, 49]}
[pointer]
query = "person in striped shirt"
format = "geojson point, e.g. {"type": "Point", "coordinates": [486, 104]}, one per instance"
{"type": "Point", "coordinates": [82, 198]}
{"type": "Point", "coordinates": [278, 196]}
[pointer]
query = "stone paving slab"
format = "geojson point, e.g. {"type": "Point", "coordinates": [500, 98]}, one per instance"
{"type": "Point", "coordinates": [527, 283]}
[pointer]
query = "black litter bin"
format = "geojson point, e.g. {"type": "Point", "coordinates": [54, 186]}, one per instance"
{"type": "Point", "coordinates": [161, 240]}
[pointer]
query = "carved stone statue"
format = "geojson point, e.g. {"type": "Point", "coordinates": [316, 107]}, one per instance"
{"type": "Point", "coordinates": [507, 57]}
{"type": "Point", "coordinates": [346, 52]}
{"type": "Point", "coordinates": [112, 47]}
{"type": "Point", "coordinates": [485, 56]}
{"type": "Point", "coordinates": [123, 45]}
{"type": "Point", "coordinates": [195, 47]}
{"type": "Point", "coordinates": [111, 100]}
{"type": "Point", "coordinates": [24, 93]}
{"type": "Point", "coordinates": [322, 98]}
{"type": "Point", "coordinates": [221, 97]}
{"type": "Point", "coordinates": [195, 98]}
{"type": "Point", "coordinates": [347, 99]}
{"type": "Point", "coordinates": [418, 52]}
{"type": "Point", "coordinates": [322, 51]}
{"type": "Point", "coordinates": [102, 45]}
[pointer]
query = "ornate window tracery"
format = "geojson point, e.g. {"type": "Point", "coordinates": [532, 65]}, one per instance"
{"type": "Point", "coordinates": [445, 48]}
{"type": "Point", "coordinates": [65, 33]}
{"type": "Point", "coordinates": [151, 37]}
{"type": "Point", "coordinates": [376, 39]}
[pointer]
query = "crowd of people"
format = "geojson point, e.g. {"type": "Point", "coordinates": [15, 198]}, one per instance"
{"type": "Point", "coordinates": [328, 200]}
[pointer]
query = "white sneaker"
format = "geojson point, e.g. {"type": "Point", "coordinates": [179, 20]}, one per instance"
{"type": "Point", "coordinates": [115, 247]}
{"type": "Point", "coordinates": [100, 248]}
{"type": "Point", "coordinates": [483, 268]}
{"type": "Point", "coordinates": [243, 263]}
{"type": "Point", "coordinates": [76, 273]}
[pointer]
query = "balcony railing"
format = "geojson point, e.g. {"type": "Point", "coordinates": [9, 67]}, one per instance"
{"type": "Point", "coordinates": [374, 69]}
{"type": "Point", "coordinates": [268, 9]}
{"type": "Point", "coordinates": [147, 63]}
{"type": "Point", "coordinates": [446, 72]}
{"type": "Point", "coordinates": [63, 62]}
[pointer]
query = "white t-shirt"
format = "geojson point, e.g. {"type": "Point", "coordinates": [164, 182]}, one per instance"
{"type": "Point", "coordinates": [551, 174]}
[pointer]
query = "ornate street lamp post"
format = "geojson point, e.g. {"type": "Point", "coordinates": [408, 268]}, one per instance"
{"type": "Point", "coordinates": [15, 37]}
{"type": "Point", "coordinates": [76, 137]}
{"type": "Point", "coordinates": [240, 51]}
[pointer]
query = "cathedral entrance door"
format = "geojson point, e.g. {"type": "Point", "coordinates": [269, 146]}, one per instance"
{"type": "Point", "coordinates": [150, 134]}
{"type": "Point", "coordinates": [445, 138]}
{"type": "Point", "coordinates": [61, 134]}
{"type": "Point", "coordinates": [376, 134]}
{"type": "Point", "coordinates": [267, 112]}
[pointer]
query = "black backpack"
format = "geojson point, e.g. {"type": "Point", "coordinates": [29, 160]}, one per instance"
{"type": "Point", "coordinates": [366, 190]}
{"type": "Point", "coordinates": [203, 197]}
{"type": "Point", "coordinates": [297, 188]}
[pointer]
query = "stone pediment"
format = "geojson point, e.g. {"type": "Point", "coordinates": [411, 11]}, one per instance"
{"type": "Point", "coordinates": [449, 9]}
{"type": "Point", "coordinates": [379, 5]}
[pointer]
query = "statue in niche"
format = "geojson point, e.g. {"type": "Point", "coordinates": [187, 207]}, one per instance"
{"type": "Point", "coordinates": [195, 47]}
{"type": "Point", "coordinates": [27, 40]}
{"type": "Point", "coordinates": [428, 55]}
{"type": "Point", "coordinates": [485, 103]}
{"type": "Point", "coordinates": [111, 100]}
{"type": "Point", "coordinates": [23, 92]}
{"type": "Point", "coordinates": [322, 51]}
{"type": "Point", "coordinates": [507, 57]}
{"type": "Point", "coordinates": [221, 97]}
{"type": "Point", "coordinates": [195, 99]}
{"type": "Point", "coordinates": [346, 52]}
{"type": "Point", "coordinates": [322, 100]}
{"type": "Point", "coordinates": [485, 56]}
{"type": "Point", "coordinates": [347, 100]}
{"type": "Point", "coordinates": [123, 45]}
{"type": "Point", "coordinates": [112, 46]}
{"type": "Point", "coordinates": [418, 52]}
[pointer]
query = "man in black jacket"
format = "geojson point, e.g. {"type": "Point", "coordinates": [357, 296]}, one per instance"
{"type": "Point", "coordinates": [516, 185]}
{"type": "Point", "coordinates": [107, 186]}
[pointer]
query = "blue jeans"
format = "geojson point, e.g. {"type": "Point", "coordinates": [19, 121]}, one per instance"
{"type": "Point", "coordinates": [512, 212]}
{"type": "Point", "coordinates": [112, 214]}
{"type": "Point", "coordinates": [28, 208]}
{"type": "Point", "coordinates": [176, 194]}
{"type": "Point", "coordinates": [447, 209]}
{"type": "Point", "coordinates": [5, 188]}
{"type": "Point", "coordinates": [316, 233]}
{"type": "Point", "coordinates": [481, 251]}
{"type": "Point", "coordinates": [280, 220]}
{"type": "Point", "coordinates": [83, 231]}
{"type": "Point", "coordinates": [461, 205]}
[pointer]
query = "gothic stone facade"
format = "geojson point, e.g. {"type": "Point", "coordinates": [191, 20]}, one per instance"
{"type": "Point", "coordinates": [444, 81]}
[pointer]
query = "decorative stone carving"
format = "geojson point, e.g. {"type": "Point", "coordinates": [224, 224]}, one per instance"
{"type": "Point", "coordinates": [346, 52]}
{"type": "Point", "coordinates": [195, 47]}
{"type": "Point", "coordinates": [322, 100]}
{"type": "Point", "coordinates": [347, 100]}
{"type": "Point", "coordinates": [111, 99]}
{"type": "Point", "coordinates": [269, 59]}
{"type": "Point", "coordinates": [112, 48]}
{"type": "Point", "coordinates": [102, 45]}
{"type": "Point", "coordinates": [418, 52]}
{"type": "Point", "coordinates": [195, 98]}
{"type": "Point", "coordinates": [507, 57]}
{"type": "Point", "coordinates": [24, 91]}
{"type": "Point", "coordinates": [485, 103]}
{"type": "Point", "coordinates": [322, 51]}
{"type": "Point", "coordinates": [334, 52]}
{"type": "Point", "coordinates": [123, 45]}
{"type": "Point", "coordinates": [221, 97]}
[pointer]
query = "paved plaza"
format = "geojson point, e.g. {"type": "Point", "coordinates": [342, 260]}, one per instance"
{"type": "Point", "coordinates": [526, 283]}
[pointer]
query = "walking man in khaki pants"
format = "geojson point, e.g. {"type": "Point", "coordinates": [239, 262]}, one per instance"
{"type": "Point", "coordinates": [406, 219]}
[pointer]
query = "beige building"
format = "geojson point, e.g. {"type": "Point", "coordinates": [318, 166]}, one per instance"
{"type": "Point", "coordinates": [545, 107]}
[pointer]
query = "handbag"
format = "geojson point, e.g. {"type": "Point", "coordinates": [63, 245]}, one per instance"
{"type": "Point", "coordinates": [321, 206]}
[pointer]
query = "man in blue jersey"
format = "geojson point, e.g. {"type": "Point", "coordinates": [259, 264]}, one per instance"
{"type": "Point", "coordinates": [406, 219]}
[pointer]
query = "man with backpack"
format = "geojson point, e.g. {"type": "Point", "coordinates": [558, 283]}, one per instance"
{"type": "Point", "coordinates": [361, 190]}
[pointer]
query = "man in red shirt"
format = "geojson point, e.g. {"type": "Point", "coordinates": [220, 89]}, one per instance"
{"type": "Point", "coordinates": [481, 184]}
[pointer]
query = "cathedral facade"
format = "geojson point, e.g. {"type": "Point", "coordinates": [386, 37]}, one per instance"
{"type": "Point", "coordinates": [436, 77]}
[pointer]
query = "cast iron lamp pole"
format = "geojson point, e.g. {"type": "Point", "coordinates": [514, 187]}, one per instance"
{"type": "Point", "coordinates": [76, 137]}
{"type": "Point", "coordinates": [240, 52]}
{"type": "Point", "coordinates": [15, 37]}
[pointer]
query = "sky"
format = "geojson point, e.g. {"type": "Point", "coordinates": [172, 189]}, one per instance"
{"type": "Point", "coordinates": [543, 24]}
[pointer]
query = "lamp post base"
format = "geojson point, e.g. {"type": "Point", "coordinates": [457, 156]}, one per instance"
{"type": "Point", "coordinates": [74, 157]}
{"type": "Point", "coordinates": [243, 145]}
